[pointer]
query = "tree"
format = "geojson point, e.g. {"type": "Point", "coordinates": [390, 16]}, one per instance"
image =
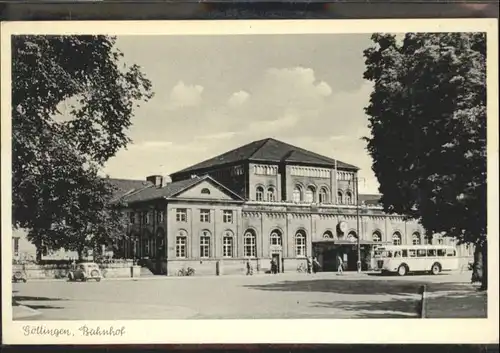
{"type": "Point", "coordinates": [427, 115]}
{"type": "Point", "coordinates": [55, 162]}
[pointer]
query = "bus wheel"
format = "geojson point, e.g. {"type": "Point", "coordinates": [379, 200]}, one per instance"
{"type": "Point", "coordinates": [402, 270]}
{"type": "Point", "coordinates": [436, 269]}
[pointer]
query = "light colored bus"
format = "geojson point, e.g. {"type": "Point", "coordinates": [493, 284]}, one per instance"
{"type": "Point", "coordinates": [403, 259]}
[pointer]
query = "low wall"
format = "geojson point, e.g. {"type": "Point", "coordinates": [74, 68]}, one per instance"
{"type": "Point", "coordinates": [61, 270]}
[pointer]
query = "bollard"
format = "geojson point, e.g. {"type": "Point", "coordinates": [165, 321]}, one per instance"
{"type": "Point", "coordinates": [423, 301]}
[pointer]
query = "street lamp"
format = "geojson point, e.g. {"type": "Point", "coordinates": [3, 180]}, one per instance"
{"type": "Point", "coordinates": [356, 188]}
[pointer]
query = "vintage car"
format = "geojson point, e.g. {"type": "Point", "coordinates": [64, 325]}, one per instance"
{"type": "Point", "coordinates": [19, 276]}
{"type": "Point", "coordinates": [84, 272]}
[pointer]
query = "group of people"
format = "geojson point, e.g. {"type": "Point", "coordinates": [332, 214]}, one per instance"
{"type": "Point", "coordinates": [313, 265]}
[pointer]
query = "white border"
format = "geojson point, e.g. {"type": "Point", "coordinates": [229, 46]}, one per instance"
{"type": "Point", "coordinates": [262, 331]}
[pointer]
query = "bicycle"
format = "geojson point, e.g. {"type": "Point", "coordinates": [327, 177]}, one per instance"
{"type": "Point", "coordinates": [301, 268]}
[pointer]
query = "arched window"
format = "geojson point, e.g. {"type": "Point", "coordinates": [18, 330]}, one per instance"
{"type": "Point", "coordinates": [310, 194]}
{"type": "Point", "coordinates": [205, 191]}
{"type": "Point", "coordinates": [323, 195]}
{"type": "Point", "coordinates": [328, 235]}
{"type": "Point", "coordinates": [377, 237]}
{"type": "Point", "coordinates": [228, 244]}
{"type": "Point", "coordinates": [352, 236]}
{"type": "Point", "coordinates": [205, 244]}
{"type": "Point", "coordinates": [396, 238]}
{"type": "Point", "coordinates": [300, 244]}
{"type": "Point", "coordinates": [297, 193]}
{"type": "Point", "coordinates": [181, 244]}
{"type": "Point", "coordinates": [415, 239]}
{"type": "Point", "coordinates": [259, 193]}
{"type": "Point", "coordinates": [275, 238]}
{"type": "Point", "coordinates": [249, 244]}
{"type": "Point", "coordinates": [271, 194]}
{"type": "Point", "coordinates": [348, 198]}
{"type": "Point", "coordinates": [440, 240]}
{"type": "Point", "coordinates": [428, 239]}
{"type": "Point", "coordinates": [340, 198]}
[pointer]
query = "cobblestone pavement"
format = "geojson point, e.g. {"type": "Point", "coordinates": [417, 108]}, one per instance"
{"type": "Point", "coordinates": [323, 295]}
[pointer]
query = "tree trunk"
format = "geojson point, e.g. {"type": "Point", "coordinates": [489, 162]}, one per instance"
{"type": "Point", "coordinates": [39, 251]}
{"type": "Point", "coordinates": [80, 254]}
{"type": "Point", "coordinates": [480, 270]}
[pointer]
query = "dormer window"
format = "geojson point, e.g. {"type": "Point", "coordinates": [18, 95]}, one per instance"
{"type": "Point", "coordinates": [205, 191]}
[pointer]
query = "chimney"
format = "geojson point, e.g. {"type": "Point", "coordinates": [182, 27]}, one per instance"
{"type": "Point", "coordinates": [156, 180]}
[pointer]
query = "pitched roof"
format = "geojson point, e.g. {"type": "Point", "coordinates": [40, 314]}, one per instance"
{"type": "Point", "coordinates": [126, 186]}
{"type": "Point", "coordinates": [170, 190]}
{"type": "Point", "coordinates": [268, 150]}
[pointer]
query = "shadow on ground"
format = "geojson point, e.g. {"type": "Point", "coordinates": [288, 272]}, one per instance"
{"type": "Point", "coordinates": [356, 286]}
{"type": "Point", "coordinates": [18, 300]}
{"type": "Point", "coordinates": [396, 308]}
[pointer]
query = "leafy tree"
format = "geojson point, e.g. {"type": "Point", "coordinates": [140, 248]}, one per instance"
{"type": "Point", "coordinates": [55, 162]}
{"type": "Point", "coordinates": [427, 115]}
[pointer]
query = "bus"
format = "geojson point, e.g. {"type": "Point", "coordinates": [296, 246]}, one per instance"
{"type": "Point", "coordinates": [403, 259]}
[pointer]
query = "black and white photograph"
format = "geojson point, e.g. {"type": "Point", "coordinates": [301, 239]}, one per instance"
{"type": "Point", "coordinates": [193, 174]}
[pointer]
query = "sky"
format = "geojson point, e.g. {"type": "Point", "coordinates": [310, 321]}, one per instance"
{"type": "Point", "coordinates": [216, 93]}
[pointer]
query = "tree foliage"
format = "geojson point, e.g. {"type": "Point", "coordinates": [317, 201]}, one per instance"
{"type": "Point", "coordinates": [57, 193]}
{"type": "Point", "coordinates": [427, 115]}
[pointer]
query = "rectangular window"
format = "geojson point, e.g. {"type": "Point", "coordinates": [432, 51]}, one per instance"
{"type": "Point", "coordinates": [145, 217]}
{"type": "Point", "coordinates": [227, 247]}
{"type": "Point", "coordinates": [431, 252]}
{"type": "Point", "coordinates": [405, 253]}
{"type": "Point", "coordinates": [181, 215]}
{"type": "Point", "coordinates": [411, 253]}
{"type": "Point", "coordinates": [441, 252]}
{"type": "Point", "coordinates": [205, 216]}
{"type": "Point", "coordinates": [227, 216]}
{"type": "Point", "coordinates": [204, 247]}
{"type": "Point", "coordinates": [159, 217]}
{"type": "Point", "coordinates": [16, 246]}
{"type": "Point", "coordinates": [421, 253]}
{"type": "Point", "coordinates": [451, 252]}
{"type": "Point", "coordinates": [180, 247]}
{"type": "Point", "coordinates": [132, 217]}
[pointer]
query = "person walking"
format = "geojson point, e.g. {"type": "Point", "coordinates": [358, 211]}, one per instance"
{"type": "Point", "coordinates": [340, 269]}
{"type": "Point", "coordinates": [315, 265]}
{"type": "Point", "coordinates": [249, 268]}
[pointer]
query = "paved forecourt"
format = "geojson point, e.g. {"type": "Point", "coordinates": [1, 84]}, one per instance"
{"type": "Point", "coordinates": [322, 295]}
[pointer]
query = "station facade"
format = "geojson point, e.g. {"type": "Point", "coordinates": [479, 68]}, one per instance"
{"type": "Point", "coordinates": [264, 200]}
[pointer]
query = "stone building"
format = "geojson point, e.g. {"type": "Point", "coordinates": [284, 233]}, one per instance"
{"type": "Point", "coordinates": [264, 200]}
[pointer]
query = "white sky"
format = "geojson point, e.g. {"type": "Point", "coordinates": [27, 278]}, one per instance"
{"type": "Point", "coordinates": [215, 93]}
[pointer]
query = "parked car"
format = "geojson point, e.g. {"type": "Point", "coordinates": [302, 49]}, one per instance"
{"type": "Point", "coordinates": [85, 271]}
{"type": "Point", "coordinates": [19, 276]}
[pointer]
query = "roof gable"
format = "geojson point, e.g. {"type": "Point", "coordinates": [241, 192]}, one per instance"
{"type": "Point", "coordinates": [175, 189]}
{"type": "Point", "coordinates": [206, 190]}
{"type": "Point", "coordinates": [267, 150]}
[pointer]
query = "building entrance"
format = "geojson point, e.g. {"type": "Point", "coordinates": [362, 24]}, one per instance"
{"type": "Point", "coordinates": [277, 258]}
{"type": "Point", "coordinates": [329, 252]}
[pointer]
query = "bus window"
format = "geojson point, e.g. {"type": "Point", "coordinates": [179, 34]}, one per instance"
{"type": "Point", "coordinates": [431, 252]}
{"type": "Point", "coordinates": [412, 253]}
{"type": "Point", "coordinates": [421, 253]}
{"type": "Point", "coordinates": [441, 252]}
{"type": "Point", "coordinates": [451, 252]}
{"type": "Point", "coordinates": [405, 253]}
{"type": "Point", "coordinates": [388, 254]}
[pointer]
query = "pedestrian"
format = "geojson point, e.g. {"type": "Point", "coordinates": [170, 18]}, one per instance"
{"type": "Point", "coordinates": [340, 269]}
{"type": "Point", "coordinates": [309, 264]}
{"type": "Point", "coordinates": [249, 268]}
{"type": "Point", "coordinates": [315, 265]}
{"type": "Point", "coordinates": [273, 266]}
